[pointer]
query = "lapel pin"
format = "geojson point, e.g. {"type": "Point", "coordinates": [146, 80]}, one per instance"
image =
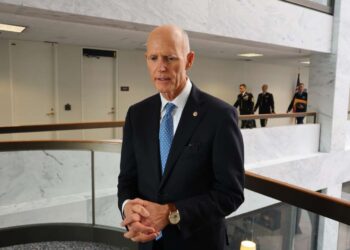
{"type": "Point", "coordinates": [195, 113]}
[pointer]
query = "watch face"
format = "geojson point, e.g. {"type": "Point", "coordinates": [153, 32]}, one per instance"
{"type": "Point", "coordinates": [174, 217]}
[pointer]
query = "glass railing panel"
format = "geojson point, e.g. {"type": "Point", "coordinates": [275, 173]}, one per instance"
{"type": "Point", "coordinates": [344, 230]}
{"type": "Point", "coordinates": [325, 6]}
{"type": "Point", "coordinates": [79, 134]}
{"type": "Point", "coordinates": [106, 181]}
{"type": "Point", "coordinates": [275, 120]}
{"type": "Point", "coordinates": [273, 227]}
{"type": "Point", "coordinates": [45, 186]}
{"type": "Point", "coordinates": [48, 186]}
{"type": "Point", "coordinates": [344, 237]}
{"type": "Point", "coordinates": [101, 133]}
{"type": "Point", "coordinates": [323, 2]}
{"type": "Point", "coordinates": [99, 130]}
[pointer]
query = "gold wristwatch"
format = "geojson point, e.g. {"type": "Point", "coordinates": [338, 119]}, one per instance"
{"type": "Point", "coordinates": [174, 215]}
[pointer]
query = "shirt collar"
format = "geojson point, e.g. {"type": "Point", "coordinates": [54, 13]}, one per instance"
{"type": "Point", "coordinates": [181, 99]}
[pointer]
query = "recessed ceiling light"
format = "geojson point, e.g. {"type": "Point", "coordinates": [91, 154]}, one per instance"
{"type": "Point", "coordinates": [11, 28]}
{"type": "Point", "coordinates": [305, 62]}
{"type": "Point", "coordinates": [250, 55]}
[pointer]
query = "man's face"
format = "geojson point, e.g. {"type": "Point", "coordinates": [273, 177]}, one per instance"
{"type": "Point", "coordinates": [301, 88]}
{"type": "Point", "coordinates": [241, 89]}
{"type": "Point", "coordinates": [167, 63]}
{"type": "Point", "coordinates": [264, 88]}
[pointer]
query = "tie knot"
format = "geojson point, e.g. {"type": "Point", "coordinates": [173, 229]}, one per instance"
{"type": "Point", "coordinates": [169, 107]}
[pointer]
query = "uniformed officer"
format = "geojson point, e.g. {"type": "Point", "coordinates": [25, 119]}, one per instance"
{"type": "Point", "coordinates": [245, 102]}
{"type": "Point", "coordinates": [299, 102]}
{"type": "Point", "coordinates": [265, 104]}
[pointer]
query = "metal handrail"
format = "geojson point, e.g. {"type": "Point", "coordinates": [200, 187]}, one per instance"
{"type": "Point", "coordinates": [60, 126]}
{"type": "Point", "coordinates": [322, 204]}
{"type": "Point", "coordinates": [88, 145]}
{"type": "Point", "coordinates": [118, 124]}
{"type": "Point", "coordinates": [280, 115]}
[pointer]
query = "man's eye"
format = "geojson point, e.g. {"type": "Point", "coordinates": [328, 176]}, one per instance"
{"type": "Point", "coordinates": [171, 58]}
{"type": "Point", "coordinates": [152, 58]}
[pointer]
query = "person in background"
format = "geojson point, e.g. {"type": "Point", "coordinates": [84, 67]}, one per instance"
{"type": "Point", "coordinates": [265, 104]}
{"type": "Point", "coordinates": [245, 102]}
{"type": "Point", "coordinates": [182, 160]}
{"type": "Point", "coordinates": [299, 102]}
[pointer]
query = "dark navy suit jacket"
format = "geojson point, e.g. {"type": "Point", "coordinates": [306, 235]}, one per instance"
{"type": "Point", "coordinates": [204, 174]}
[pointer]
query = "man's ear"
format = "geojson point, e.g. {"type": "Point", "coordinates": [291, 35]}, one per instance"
{"type": "Point", "coordinates": [190, 60]}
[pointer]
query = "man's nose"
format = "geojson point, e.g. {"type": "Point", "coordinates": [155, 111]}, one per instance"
{"type": "Point", "coordinates": [162, 66]}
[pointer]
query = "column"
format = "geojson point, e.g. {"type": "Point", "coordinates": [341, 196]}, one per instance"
{"type": "Point", "coordinates": [329, 82]}
{"type": "Point", "coordinates": [328, 229]}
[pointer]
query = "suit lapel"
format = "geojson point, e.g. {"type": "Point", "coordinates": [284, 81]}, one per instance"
{"type": "Point", "coordinates": [151, 130]}
{"type": "Point", "coordinates": [189, 120]}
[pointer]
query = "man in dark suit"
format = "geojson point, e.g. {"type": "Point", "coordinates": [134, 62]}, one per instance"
{"type": "Point", "coordinates": [299, 102]}
{"type": "Point", "coordinates": [245, 102]}
{"type": "Point", "coordinates": [181, 169]}
{"type": "Point", "coordinates": [265, 104]}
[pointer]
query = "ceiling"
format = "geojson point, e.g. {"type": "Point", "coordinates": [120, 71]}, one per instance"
{"type": "Point", "coordinates": [109, 35]}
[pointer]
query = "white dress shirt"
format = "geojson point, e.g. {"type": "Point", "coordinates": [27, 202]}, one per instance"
{"type": "Point", "coordinates": [180, 102]}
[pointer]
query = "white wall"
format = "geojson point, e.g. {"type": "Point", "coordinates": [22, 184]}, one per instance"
{"type": "Point", "coordinates": [132, 72]}
{"type": "Point", "coordinates": [222, 78]}
{"type": "Point", "coordinates": [69, 87]}
{"type": "Point", "coordinates": [5, 87]}
{"type": "Point", "coordinates": [219, 77]}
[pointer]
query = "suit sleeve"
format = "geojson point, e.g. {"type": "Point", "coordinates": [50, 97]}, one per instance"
{"type": "Point", "coordinates": [251, 104]}
{"type": "Point", "coordinates": [127, 180]}
{"type": "Point", "coordinates": [306, 102]}
{"type": "Point", "coordinates": [257, 103]}
{"type": "Point", "coordinates": [236, 105]}
{"type": "Point", "coordinates": [272, 104]}
{"type": "Point", "coordinates": [226, 194]}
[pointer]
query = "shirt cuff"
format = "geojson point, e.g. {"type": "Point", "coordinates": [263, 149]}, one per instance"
{"type": "Point", "coordinates": [123, 205]}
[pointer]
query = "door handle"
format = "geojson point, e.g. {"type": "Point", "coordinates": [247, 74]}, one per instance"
{"type": "Point", "coordinates": [51, 113]}
{"type": "Point", "coordinates": [112, 111]}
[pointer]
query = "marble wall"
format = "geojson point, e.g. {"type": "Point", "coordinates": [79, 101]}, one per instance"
{"type": "Point", "coordinates": [317, 171]}
{"type": "Point", "coordinates": [36, 175]}
{"type": "Point", "coordinates": [347, 138]}
{"type": "Point", "coordinates": [269, 21]}
{"type": "Point", "coordinates": [267, 146]}
{"type": "Point", "coordinates": [329, 83]}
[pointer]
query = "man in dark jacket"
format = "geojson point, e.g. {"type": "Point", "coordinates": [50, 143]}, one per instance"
{"type": "Point", "coordinates": [265, 104]}
{"type": "Point", "coordinates": [299, 102]}
{"type": "Point", "coordinates": [182, 160]}
{"type": "Point", "coordinates": [245, 102]}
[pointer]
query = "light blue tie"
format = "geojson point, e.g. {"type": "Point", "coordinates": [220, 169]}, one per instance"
{"type": "Point", "coordinates": [166, 133]}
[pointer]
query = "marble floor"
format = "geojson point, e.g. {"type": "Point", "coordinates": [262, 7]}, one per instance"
{"type": "Point", "coordinates": [55, 245]}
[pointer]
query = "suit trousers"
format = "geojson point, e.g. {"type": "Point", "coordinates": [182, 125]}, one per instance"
{"type": "Point", "coordinates": [158, 244]}
{"type": "Point", "coordinates": [263, 122]}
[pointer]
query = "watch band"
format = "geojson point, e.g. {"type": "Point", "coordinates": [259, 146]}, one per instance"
{"type": "Point", "coordinates": [172, 207]}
